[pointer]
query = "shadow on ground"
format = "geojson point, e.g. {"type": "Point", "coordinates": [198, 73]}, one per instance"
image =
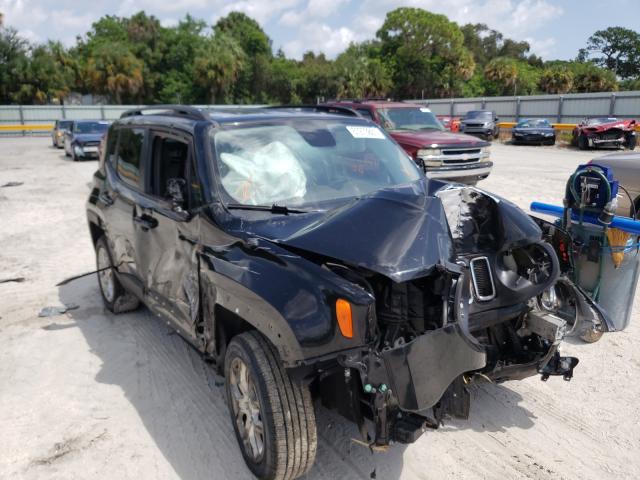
{"type": "Point", "coordinates": [180, 399]}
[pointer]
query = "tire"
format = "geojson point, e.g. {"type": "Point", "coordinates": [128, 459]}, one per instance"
{"type": "Point", "coordinates": [592, 335]}
{"type": "Point", "coordinates": [285, 410]}
{"type": "Point", "coordinates": [583, 144]}
{"type": "Point", "coordinates": [552, 142]}
{"type": "Point", "coordinates": [631, 142]}
{"type": "Point", "coordinates": [74, 157]}
{"type": "Point", "coordinates": [114, 296]}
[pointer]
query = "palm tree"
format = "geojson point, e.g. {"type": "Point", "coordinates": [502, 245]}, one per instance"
{"type": "Point", "coordinates": [218, 65]}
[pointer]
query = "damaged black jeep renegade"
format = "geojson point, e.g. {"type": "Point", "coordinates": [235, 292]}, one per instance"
{"type": "Point", "coordinates": [306, 255]}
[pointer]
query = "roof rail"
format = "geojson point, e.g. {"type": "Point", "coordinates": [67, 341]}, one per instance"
{"type": "Point", "coordinates": [318, 108]}
{"type": "Point", "coordinates": [178, 110]}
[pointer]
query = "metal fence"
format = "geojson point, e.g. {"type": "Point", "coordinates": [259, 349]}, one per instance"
{"type": "Point", "coordinates": [569, 108]}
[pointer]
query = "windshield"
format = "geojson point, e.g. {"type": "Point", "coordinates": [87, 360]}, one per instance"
{"type": "Point", "coordinates": [409, 119]}
{"type": "Point", "coordinates": [479, 114]}
{"type": "Point", "coordinates": [90, 127]}
{"type": "Point", "coordinates": [533, 123]}
{"type": "Point", "coordinates": [596, 121]}
{"type": "Point", "coordinates": [298, 163]}
{"type": "Point", "coordinates": [64, 124]}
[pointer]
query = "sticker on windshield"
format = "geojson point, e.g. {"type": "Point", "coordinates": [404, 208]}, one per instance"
{"type": "Point", "coordinates": [425, 110]}
{"type": "Point", "coordinates": [365, 132]}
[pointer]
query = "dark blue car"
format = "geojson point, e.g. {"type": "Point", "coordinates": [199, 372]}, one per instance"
{"type": "Point", "coordinates": [82, 139]}
{"type": "Point", "coordinates": [537, 130]}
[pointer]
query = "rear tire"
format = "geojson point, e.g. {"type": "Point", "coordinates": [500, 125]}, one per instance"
{"type": "Point", "coordinates": [273, 416]}
{"type": "Point", "coordinates": [114, 296]}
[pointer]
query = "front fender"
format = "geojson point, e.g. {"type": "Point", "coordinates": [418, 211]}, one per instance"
{"type": "Point", "coordinates": [286, 297]}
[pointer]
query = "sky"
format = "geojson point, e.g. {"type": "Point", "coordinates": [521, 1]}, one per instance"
{"type": "Point", "coordinates": [554, 29]}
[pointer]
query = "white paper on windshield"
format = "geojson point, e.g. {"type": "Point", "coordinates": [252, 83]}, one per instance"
{"type": "Point", "coordinates": [365, 132]}
{"type": "Point", "coordinates": [425, 110]}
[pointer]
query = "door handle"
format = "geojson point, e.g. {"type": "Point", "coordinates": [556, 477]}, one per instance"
{"type": "Point", "coordinates": [146, 221]}
{"type": "Point", "coordinates": [105, 198]}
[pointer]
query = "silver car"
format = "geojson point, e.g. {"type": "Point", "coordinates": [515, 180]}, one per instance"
{"type": "Point", "coordinates": [626, 169]}
{"type": "Point", "coordinates": [57, 134]}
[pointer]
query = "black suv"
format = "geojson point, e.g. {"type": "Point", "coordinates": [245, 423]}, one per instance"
{"type": "Point", "coordinates": [305, 254]}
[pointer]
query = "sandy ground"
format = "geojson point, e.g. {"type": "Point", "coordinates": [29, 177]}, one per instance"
{"type": "Point", "coordinates": [89, 395]}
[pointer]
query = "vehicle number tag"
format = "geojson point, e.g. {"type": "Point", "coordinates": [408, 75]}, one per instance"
{"type": "Point", "coordinates": [365, 132]}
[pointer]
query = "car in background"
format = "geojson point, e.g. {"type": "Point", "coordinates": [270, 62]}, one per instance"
{"type": "Point", "coordinates": [534, 130]}
{"type": "Point", "coordinates": [481, 123]}
{"type": "Point", "coordinates": [57, 134]}
{"type": "Point", "coordinates": [605, 132]}
{"type": "Point", "coordinates": [626, 169]}
{"type": "Point", "coordinates": [440, 153]}
{"type": "Point", "coordinates": [82, 140]}
{"type": "Point", "coordinates": [450, 123]}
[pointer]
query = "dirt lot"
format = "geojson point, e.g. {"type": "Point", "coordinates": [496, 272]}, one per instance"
{"type": "Point", "coordinates": [91, 395]}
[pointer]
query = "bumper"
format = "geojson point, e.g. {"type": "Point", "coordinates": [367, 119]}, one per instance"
{"type": "Point", "coordinates": [477, 131]}
{"type": "Point", "coordinates": [533, 138]}
{"type": "Point", "coordinates": [480, 169]}
{"type": "Point", "coordinates": [86, 152]}
{"type": "Point", "coordinates": [596, 142]}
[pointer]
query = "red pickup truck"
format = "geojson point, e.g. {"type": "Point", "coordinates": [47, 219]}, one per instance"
{"type": "Point", "coordinates": [442, 154]}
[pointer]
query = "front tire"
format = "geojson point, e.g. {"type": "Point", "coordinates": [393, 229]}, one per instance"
{"type": "Point", "coordinates": [272, 413]}
{"type": "Point", "coordinates": [114, 296]}
{"type": "Point", "coordinates": [583, 144]}
{"type": "Point", "coordinates": [630, 144]}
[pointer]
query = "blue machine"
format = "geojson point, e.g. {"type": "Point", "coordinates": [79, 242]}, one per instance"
{"type": "Point", "coordinates": [588, 218]}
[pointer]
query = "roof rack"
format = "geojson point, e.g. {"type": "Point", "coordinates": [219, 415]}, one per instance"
{"type": "Point", "coordinates": [318, 108]}
{"type": "Point", "coordinates": [178, 110]}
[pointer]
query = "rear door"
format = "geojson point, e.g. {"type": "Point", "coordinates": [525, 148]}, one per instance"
{"type": "Point", "coordinates": [166, 235]}
{"type": "Point", "coordinates": [124, 189]}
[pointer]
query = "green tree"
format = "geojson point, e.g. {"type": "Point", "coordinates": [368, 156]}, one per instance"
{"type": "Point", "coordinates": [217, 66]}
{"type": "Point", "coordinates": [556, 79]}
{"type": "Point", "coordinates": [617, 49]}
{"type": "Point", "coordinates": [251, 83]}
{"type": "Point", "coordinates": [590, 78]}
{"type": "Point", "coordinates": [13, 61]}
{"type": "Point", "coordinates": [423, 50]}
{"type": "Point", "coordinates": [361, 75]}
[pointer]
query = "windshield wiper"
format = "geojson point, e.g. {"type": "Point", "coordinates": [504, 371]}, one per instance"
{"type": "Point", "coordinates": [277, 209]}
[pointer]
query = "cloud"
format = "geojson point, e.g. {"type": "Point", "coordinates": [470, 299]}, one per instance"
{"type": "Point", "coordinates": [320, 38]}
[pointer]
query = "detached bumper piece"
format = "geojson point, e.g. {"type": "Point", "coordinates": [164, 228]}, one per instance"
{"type": "Point", "coordinates": [559, 366]}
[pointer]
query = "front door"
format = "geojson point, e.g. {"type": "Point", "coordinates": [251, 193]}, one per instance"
{"type": "Point", "coordinates": [166, 235]}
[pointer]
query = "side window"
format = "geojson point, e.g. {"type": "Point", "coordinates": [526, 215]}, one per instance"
{"type": "Point", "coordinates": [169, 164]}
{"type": "Point", "coordinates": [112, 142]}
{"type": "Point", "coordinates": [366, 113]}
{"type": "Point", "coordinates": [129, 155]}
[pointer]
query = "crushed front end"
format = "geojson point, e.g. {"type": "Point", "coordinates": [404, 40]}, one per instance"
{"type": "Point", "coordinates": [474, 318]}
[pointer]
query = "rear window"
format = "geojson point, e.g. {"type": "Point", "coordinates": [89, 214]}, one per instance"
{"type": "Point", "coordinates": [129, 155]}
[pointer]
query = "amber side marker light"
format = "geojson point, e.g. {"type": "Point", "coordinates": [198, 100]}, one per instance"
{"type": "Point", "coordinates": [343, 312]}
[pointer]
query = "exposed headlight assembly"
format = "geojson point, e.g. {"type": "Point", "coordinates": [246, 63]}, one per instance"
{"type": "Point", "coordinates": [428, 156]}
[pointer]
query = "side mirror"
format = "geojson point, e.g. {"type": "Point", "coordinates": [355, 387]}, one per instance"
{"type": "Point", "coordinates": [495, 119]}
{"type": "Point", "coordinates": [175, 191]}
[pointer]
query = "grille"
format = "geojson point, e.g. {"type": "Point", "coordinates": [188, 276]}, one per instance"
{"type": "Point", "coordinates": [482, 279]}
{"type": "Point", "coordinates": [611, 135]}
{"type": "Point", "coordinates": [461, 151]}
{"type": "Point", "coordinates": [91, 144]}
{"type": "Point", "coordinates": [474, 124]}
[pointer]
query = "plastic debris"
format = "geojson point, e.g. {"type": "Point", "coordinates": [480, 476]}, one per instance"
{"type": "Point", "coordinates": [57, 310]}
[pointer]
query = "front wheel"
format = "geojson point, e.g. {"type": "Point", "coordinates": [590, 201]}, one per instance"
{"type": "Point", "coordinates": [272, 413]}
{"type": "Point", "coordinates": [630, 144]}
{"type": "Point", "coordinates": [583, 144]}
{"type": "Point", "coordinates": [115, 297]}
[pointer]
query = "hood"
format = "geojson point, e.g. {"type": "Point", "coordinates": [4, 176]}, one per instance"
{"type": "Point", "coordinates": [533, 130]}
{"type": "Point", "coordinates": [88, 137]}
{"type": "Point", "coordinates": [443, 139]}
{"type": "Point", "coordinates": [601, 127]}
{"type": "Point", "coordinates": [401, 233]}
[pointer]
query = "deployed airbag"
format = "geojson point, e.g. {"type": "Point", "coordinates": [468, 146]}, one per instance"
{"type": "Point", "coordinates": [268, 175]}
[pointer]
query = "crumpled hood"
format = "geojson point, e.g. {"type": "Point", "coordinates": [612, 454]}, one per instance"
{"type": "Point", "coordinates": [442, 139]}
{"type": "Point", "coordinates": [87, 137]}
{"type": "Point", "coordinates": [401, 233]}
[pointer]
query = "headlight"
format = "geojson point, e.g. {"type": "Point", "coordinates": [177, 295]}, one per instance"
{"type": "Point", "coordinates": [548, 134]}
{"type": "Point", "coordinates": [429, 152]}
{"type": "Point", "coordinates": [428, 155]}
{"type": "Point", "coordinates": [485, 151]}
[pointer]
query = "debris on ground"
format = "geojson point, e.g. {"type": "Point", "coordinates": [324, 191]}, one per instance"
{"type": "Point", "coordinates": [12, 184]}
{"type": "Point", "coordinates": [57, 310]}
{"type": "Point", "coordinates": [14, 279]}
